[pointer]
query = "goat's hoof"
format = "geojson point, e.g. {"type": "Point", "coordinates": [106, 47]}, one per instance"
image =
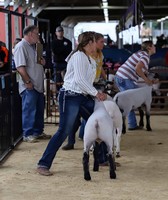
{"type": "Point", "coordinates": [96, 167]}
{"type": "Point", "coordinates": [87, 176]}
{"type": "Point", "coordinates": [115, 167]}
{"type": "Point", "coordinates": [112, 174]}
{"type": "Point", "coordinates": [118, 155]}
{"type": "Point", "coordinates": [141, 125]}
{"type": "Point", "coordinates": [148, 129]}
{"type": "Point", "coordinates": [123, 131]}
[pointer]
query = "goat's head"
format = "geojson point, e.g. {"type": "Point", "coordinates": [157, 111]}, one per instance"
{"type": "Point", "coordinates": [153, 75]}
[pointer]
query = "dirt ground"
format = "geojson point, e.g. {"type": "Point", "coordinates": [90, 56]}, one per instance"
{"type": "Point", "coordinates": [143, 174]}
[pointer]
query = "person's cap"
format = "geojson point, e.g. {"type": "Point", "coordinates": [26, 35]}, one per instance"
{"type": "Point", "coordinates": [59, 29]}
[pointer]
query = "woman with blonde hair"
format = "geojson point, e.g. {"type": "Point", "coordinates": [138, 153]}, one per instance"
{"type": "Point", "coordinates": [98, 57]}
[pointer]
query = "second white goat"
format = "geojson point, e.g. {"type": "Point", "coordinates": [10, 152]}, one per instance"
{"type": "Point", "coordinates": [134, 98]}
{"type": "Point", "coordinates": [115, 113]}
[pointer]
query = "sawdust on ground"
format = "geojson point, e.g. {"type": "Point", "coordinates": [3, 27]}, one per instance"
{"type": "Point", "coordinates": [143, 173]}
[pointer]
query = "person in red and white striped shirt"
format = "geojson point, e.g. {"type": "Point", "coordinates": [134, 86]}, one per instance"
{"type": "Point", "coordinates": [134, 67]}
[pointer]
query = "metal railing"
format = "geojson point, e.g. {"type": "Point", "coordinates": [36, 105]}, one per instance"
{"type": "Point", "coordinates": [10, 114]}
{"type": "Point", "coordinates": [159, 102]}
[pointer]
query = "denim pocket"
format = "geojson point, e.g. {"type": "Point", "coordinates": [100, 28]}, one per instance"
{"type": "Point", "coordinates": [120, 82]}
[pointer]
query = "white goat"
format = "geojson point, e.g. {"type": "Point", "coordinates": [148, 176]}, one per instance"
{"type": "Point", "coordinates": [132, 99]}
{"type": "Point", "coordinates": [98, 126]}
{"type": "Point", "coordinates": [115, 113]}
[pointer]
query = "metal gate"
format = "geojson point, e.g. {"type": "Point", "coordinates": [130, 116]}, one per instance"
{"type": "Point", "coordinates": [10, 100]}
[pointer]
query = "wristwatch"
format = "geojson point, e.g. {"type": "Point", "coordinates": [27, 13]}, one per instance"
{"type": "Point", "coordinates": [27, 82]}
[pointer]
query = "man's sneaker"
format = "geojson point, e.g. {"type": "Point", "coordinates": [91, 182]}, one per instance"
{"type": "Point", "coordinates": [30, 139]}
{"type": "Point", "coordinates": [43, 136]}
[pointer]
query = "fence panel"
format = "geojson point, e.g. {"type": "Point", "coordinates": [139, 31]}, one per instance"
{"type": "Point", "coordinates": [10, 114]}
{"type": "Point", "coordinates": [5, 115]}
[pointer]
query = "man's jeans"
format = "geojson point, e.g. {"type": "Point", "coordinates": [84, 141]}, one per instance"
{"type": "Point", "coordinates": [32, 112]}
{"type": "Point", "coordinates": [71, 107]}
{"type": "Point", "coordinates": [57, 69]}
{"type": "Point", "coordinates": [125, 84]}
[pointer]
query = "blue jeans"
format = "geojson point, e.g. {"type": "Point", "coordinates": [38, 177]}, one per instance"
{"type": "Point", "coordinates": [58, 67]}
{"type": "Point", "coordinates": [71, 107]}
{"type": "Point", "coordinates": [81, 131]}
{"type": "Point", "coordinates": [71, 136]}
{"type": "Point", "coordinates": [125, 84]}
{"type": "Point", "coordinates": [32, 112]}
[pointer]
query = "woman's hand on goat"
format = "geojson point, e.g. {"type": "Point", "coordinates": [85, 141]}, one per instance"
{"type": "Point", "coordinates": [151, 82]}
{"type": "Point", "coordinates": [148, 81]}
{"type": "Point", "coordinates": [155, 81]}
{"type": "Point", "coordinates": [101, 96]}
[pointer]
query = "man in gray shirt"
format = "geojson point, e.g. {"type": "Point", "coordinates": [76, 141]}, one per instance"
{"type": "Point", "coordinates": [31, 85]}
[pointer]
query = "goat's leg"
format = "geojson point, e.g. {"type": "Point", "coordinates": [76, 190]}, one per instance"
{"type": "Point", "coordinates": [118, 139]}
{"type": "Point", "coordinates": [162, 101]}
{"type": "Point", "coordinates": [116, 142]}
{"type": "Point", "coordinates": [148, 127]}
{"type": "Point", "coordinates": [111, 167]}
{"type": "Point", "coordinates": [141, 114]}
{"type": "Point", "coordinates": [124, 126]}
{"type": "Point", "coordinates": [96, 157]}
{"type": "Point", "coordinates": [155, 100]}
{"type": "Point", "coordinates": [87, 176]}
